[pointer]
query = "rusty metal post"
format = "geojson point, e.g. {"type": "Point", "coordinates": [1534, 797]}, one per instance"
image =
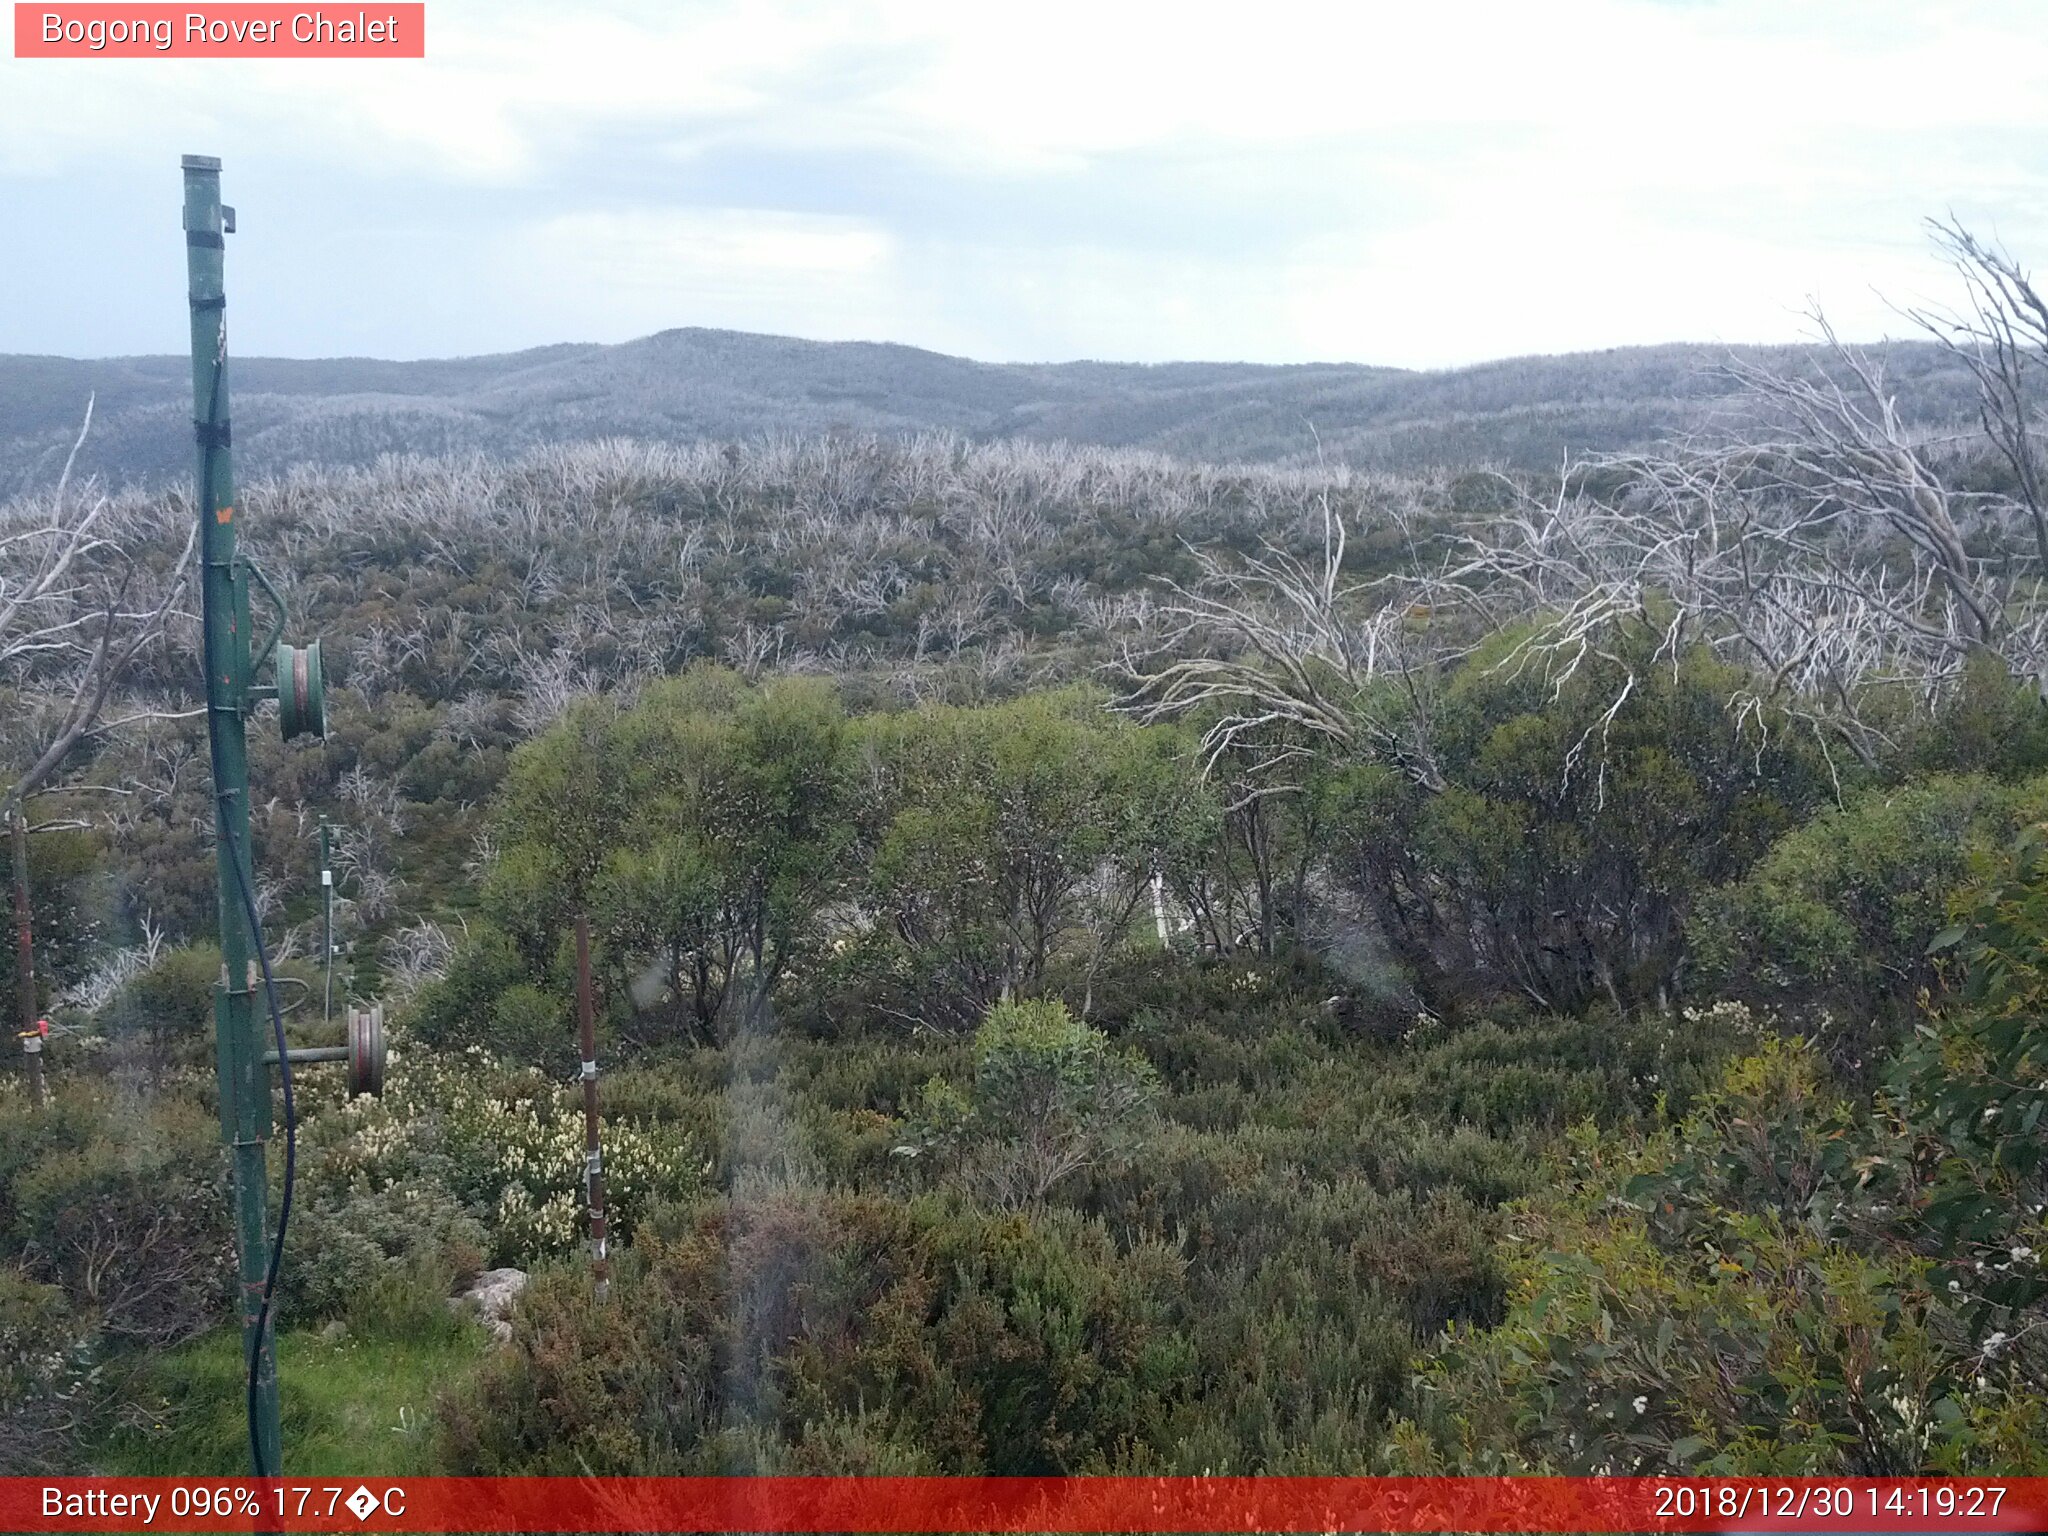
{"type": "Point", "coordinates": [326, 925]}
{"type": "Point", "coordinates": [25, 958]}
{"type": "Point", "coordinates": [593, 1156]}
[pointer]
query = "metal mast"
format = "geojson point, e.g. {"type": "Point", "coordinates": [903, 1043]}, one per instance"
{"type": "Point", "coordinates": [245, 1109]}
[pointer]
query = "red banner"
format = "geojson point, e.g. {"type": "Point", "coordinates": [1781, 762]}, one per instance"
{"type": "Point", "coordinates": [233, 31]}
{"type": "Point", "coordinates": [1104, 1504]}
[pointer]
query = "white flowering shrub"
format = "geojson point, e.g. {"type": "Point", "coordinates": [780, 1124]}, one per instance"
{"type": "Point", "coordinates": [1733, 1018]}
{"type": "Point", "coordinates": [506, 1142]}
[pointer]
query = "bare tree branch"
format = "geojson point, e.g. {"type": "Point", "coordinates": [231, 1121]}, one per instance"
{"type": "Point", "coordinates": [75, 601]}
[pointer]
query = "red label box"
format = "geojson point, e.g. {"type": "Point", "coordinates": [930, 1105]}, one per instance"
{"type": "Point", "coordinates": [232, 31]}
{"type": "Point", "coordinates": [1133, 1506]}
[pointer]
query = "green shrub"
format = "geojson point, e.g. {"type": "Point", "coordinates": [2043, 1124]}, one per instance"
{"type": "Point", "coordinates": [1561, 858]}
{"type": "Point", "coordinates": [73, 1118]}
{"type": "Point", "coordinates": [1073, 1349]}
{"type": "Point", "coordinates": [345, 1246]}
{"type": "Point", "coordinates": [1051, 1097]}
{"type": "Point", "coordinates": [1838, 915]}
{"type": "Point", "coordinates": [169, 1007]}
{"type": "Point", "coordinates": [533, 1028]}
{"type": "Point", "coordinates": [1007, 843]}
{"type": "Point", "coordinates": [66, 880]}
{"type": "Point", "coordinates": [1995, 724]}
{"type": "Point", "coordinates": [702, 829]}
{"type": "Point", "coordinates": [953, 1340]}
{"type": "Point", "coordinates": [1302, 1330]}
{"type": "Point", "coordinates": [1743, 1293]}
{"type": "Point", "coordinates": [458, 1010]}
{"type": "Point", "coordinates": [51, 1387]}
{"type": "Point", "coordinates": [1974, 1084]}
{"type": "Point", "coordinates": [132, 1223]}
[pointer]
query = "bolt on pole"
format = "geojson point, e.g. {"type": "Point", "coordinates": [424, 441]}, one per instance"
{"type": "Point", "coordinates": [245, 1109]}
{"type": "Point", "coordinates": [593, 1156]}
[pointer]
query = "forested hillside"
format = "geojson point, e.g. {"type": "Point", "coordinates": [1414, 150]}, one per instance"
{"type": "Point", "coordinates": [1105, 962]}
{"type": "Point", "coordinates": [692, 385]}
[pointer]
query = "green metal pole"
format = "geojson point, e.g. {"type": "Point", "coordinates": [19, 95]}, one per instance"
{"type": "Point", "coordinates": [244, 1079]}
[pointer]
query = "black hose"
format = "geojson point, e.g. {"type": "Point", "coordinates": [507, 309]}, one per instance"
{"type": "Point", "coordinates": [210, 441]}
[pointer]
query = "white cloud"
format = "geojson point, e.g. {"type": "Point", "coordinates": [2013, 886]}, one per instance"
{"type": "Point", "coordinates": [1387, 182]}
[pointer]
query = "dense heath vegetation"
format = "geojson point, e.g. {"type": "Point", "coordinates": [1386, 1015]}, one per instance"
{"type": "Point", "coordinates": [1024, 1057]}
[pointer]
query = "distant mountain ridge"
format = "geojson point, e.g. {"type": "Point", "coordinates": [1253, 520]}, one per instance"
{"type": "Point", "coordinates": [695, 384]}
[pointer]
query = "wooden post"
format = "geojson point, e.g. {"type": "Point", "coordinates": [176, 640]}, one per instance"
{"type": "Point", "coordinates": [25, 958]}
{"type": "Point", "coordinates": [593, 1156]}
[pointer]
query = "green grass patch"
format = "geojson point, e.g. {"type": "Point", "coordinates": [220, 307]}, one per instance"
{"type": "Point", "coordinates": [352, 1407]}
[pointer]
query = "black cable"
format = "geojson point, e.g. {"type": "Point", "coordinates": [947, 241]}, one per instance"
{"type": "Point", "coordinates": [211, 441]}
{"type": "Point", "coordinates": [291, 1154]}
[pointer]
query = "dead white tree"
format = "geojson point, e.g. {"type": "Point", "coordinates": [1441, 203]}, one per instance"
{"type": "Point", "coordinates": [415, 954]}
{"type": "Point", "coordinates": [2002, 339]}
{"type": "Point", "coordinates": [1829, 550]}
{"type": "Point", "coordinates": [79, 601]}
{"type": "Point", "coordinates": [1828, 545]}
{"type": "Point", "coordinates": [1286, 658]}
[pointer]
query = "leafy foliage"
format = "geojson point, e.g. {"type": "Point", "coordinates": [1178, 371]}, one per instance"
{"type": "Point", "coordinates": [1238, 1083]}
{"type": "Point", "coordinates": [51, 1380]}
{"type": "Point", "coordinates": [795, 1331]}
{"type": "Point", "coordinates": [1786, 1282]}
{"type": "Point", "coordinates": [1008, 838]}
{"type": "Point", "coordinates": [65, 907]}
{"type": "Point", "coordinates": [1976, 1081]}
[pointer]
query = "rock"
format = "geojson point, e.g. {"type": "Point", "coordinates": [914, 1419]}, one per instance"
{"type": "Point", "coordinates": [493, 1294]}
{"type": "Point", "coordinates": [496, 1290]}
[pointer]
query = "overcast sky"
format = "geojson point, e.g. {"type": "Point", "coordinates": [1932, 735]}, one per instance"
{"type": "Point", "coordinates": [1414, 182]}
